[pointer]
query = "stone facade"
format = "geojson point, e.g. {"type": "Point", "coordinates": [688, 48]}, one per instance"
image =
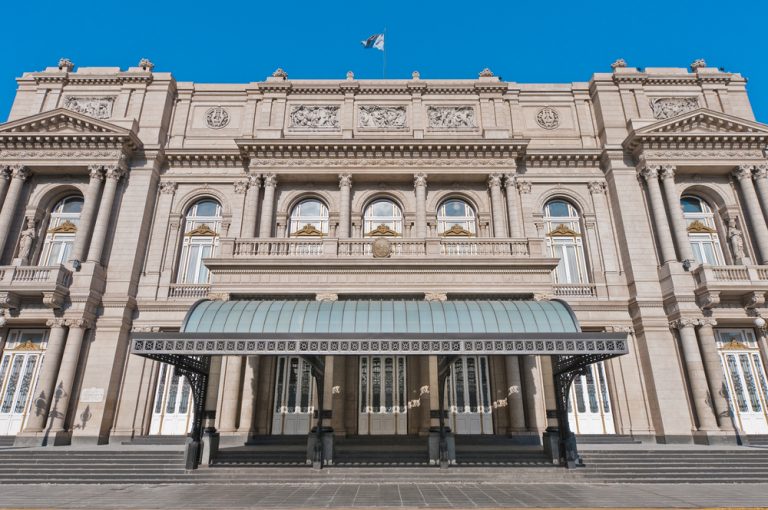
{"type": "Point", "coordinates": [620, 150]}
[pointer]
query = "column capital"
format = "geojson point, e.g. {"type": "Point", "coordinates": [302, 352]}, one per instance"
{"type": "Point", "coordinates": [96, 172]}
{"type": "Point", "coordinates": [667, 171]}
{"type": "Point", "coordinates": [55, 323]}
{"type": "Point", "coordinates": [241, 187]}
{"type": "Point", "coordinates": [761, 172]}
{"type": "Point", "coordinates": [254, 180]}
{"type": "Point", "coordinates": [684, 322]}
{"type": "Point", "coordinates": [597, 187]}
{"type": "Point", "coordinates": [114, 172]}
{"type": "Point", "coordinates": [707, 322]}
{"type": "Point", "coordinates": [78, 323]}
{"type": "Point", "coordinates": [510, 179]}
{"type": "Point", "coordinates": [420, 180]}
{"type": "Point", "coordinates": [742, 172]}
{"type": "Point", "coordinates": [270, 180]}
{"type": "Point", "coordinates": [649, 172]}
{"type": "Point", "coordinates": [523, 186]}
{"type": "Point", "coordinates": [494, 180]}
{"type": "Point", "coordinates": [345, 180]}
{"type": "Point", "coordinates": [168, 187]}
{"type": "Point", "coordinates": [19, 172]}
{"type": "Point", "coordinates": [4, 174]}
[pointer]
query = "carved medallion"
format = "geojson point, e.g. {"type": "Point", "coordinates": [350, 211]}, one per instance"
{"type": "Point", "coordinates": [96, 107]}
{"type": "Point", "coordinates": [668, 107]}
{"type": "Point", "coordinates": [315, 117]}
{"type": "Point", "coordinates": [381, 248]}
{"type": "Point", "coordinates": [451, 117]}
{"type": "Point", "coordinates": [382, 117]}
{"type": "Point", "coordinates": [217, 117]}
{"type": "Point", "coordinates": [548, 118]}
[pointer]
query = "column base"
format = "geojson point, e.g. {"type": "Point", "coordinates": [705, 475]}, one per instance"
{"type": "Point", "coordinates": [57, 438]}
{"type": "Point", "coordinates": [525, 438]}
{"type": "Point", "coordinates": [715, 437]}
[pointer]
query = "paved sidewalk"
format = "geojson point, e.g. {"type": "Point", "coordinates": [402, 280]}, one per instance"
{"type": "Point", "coordinates": [354, 495]}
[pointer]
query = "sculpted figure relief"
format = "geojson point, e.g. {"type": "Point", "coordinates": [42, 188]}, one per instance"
{"type": "Point", "coordinates": [376, 116]}
{"type": "Point", "coordinates": [315, 117]}
{"type": "Point", "coordinates": [668, 107]}
{"type": "Point", "coordinates": [96, 107]}
{"type": "Point", "coordinates": [27, 240]}
{"type": "Point", "coordinates": [736, 239]}
{"type": "Point", "coordinates": [451, 117]}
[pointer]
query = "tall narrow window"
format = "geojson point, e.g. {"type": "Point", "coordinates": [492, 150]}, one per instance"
{"type": "Point", "coordinates": [62, 228]}
{"type": "Point", "coordinates": [309, 218]}
{"type": "Point", "coordinates": [563, 227]}
{"type": "Point", "coordinates": [201, 240]}
{"type": "Point", "coordinates": [702, 233]}
{"type": "Point", "coordinates": [456, 217]}
{"type": "Point", "coordinates": [382, 218]}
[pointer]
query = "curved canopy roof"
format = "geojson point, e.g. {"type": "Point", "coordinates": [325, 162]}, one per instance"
{"type": "Point", "coordinates": [380, 317]}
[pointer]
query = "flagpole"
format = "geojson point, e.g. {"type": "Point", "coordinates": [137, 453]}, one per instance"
{"type": "Point", "coordinates": [384, 66]}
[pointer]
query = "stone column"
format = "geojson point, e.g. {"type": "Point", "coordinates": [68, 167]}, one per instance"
{"type": "Point", "coordinates": [497, 206]}
{"type": "Point", "coordinates": [230, 401]}
{"type": "Point", "coordinates": [661, 225]}
{"type": "Point", "coordinates": [759, 228]}
{"type": "Point", "coordinates": [513, 206]}
{"type": "Point", "coordinates": [113, 174]}
{"type": "Point", "coordinates": [46, 381]}
{"type": "Point", "coordinates": [534, 395]}
{"type": "Point", "coordinates": [4, 179]}
{"type": "Point", "coordinates": [714, 371]}
{"type": "Point", "coordinates": [67, 371]}
{"type": "Point", "coordinates": [265, 228]}
{"type": "Point", "coordinates": [251, 206]}
{"type": "Point", "coordinates": [515, 395]}
{"type": "Point", "coordinates": [760, 176]}
{"type": "Point", "coordinates": [89, 210]}
{"type": "Point", "coordinates": [245, 426]}
{"type": "Point", "coordinates": [420, 185]}
{"type": "Point", "coordinates": [19, 174]}
{"type": "Point", "coordinates": [345, 187]}
{"type": "Point", "coordinates": [679, 226]}
{"type": "Point", "coordinates": [696, 376]}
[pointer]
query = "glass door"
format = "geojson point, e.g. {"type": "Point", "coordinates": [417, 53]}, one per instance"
{"type": "Point", "coordinates": [19, 369]}
{"type": "Point", "coordinates": [745, 379]}
{"type": "Point", "coordinates": [592, 412]}
{"type": "Point", "coordinates": [469, 396]}
{"type": "Point", "coordinates": [294, 397]}
{"type": "Point", "coordinates": [382, 391]}
{"type": "Point", "coordinates": [172, 413]}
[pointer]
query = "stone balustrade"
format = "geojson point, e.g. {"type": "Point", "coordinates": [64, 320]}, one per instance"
{"type": "Point", "coordinates": [52, 282]}
{"type": "Point", "coordinates": [749, 283]}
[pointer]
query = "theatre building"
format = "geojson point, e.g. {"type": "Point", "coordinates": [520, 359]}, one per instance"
{"type": "Point", "coordinates": [256, 258]}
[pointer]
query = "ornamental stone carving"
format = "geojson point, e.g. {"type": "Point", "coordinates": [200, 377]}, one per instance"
{"type": "Point", "coordinates": [167, 188]}
{"type": "Point", "coordinates": [420, 180]}
{"type": "Point", "coordinates": [736, 240]}
{"type": "Point", "coordinates": [381, 248]}
{"type": "Point", "coordinates": [345, 180]}
{"type": "Point", "coordinates": [381, 117]}
{"type": "Point", "coordinates": [486, 73]}
{"type": "Point", "coordinates": [315, 117]}
{"type": "Point", "coordinates": [698, 64]}
{"type": "Point", "coordinates": [668, 107]}
{"type": "Point", "coordinates": [548, 118]}
{"type": "Point", "coordinates": [217, 117]}
{"type": "Point", "coordinates": [523, 186]}
{"type": "Point", "coordinates": [66, 65]}
{"type": "Point", "coordinates": [620, 62]}
{"type": "Point", "coordinates": [241, 187]}
{"type": "Point", "coordinates": [597, 187]}
{"type": "Point", "coordinates": [146, 64]}
{"type": "Point", "coordinates": [451, 117]}
{"type": "Point", "coordinates": [96, 107]}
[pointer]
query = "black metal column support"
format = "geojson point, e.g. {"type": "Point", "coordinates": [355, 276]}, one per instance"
{"type": "Point", "coordinates": [317, 363]}
{"type": "Point", "coordinates": [443, 371]}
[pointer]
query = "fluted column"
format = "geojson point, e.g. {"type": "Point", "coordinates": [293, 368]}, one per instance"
{"type": "Point", "coordinates": [345, 189]}
{"type": "Point", "coordinates": [714, 370]}
{"type": "Point", "coordinates": [497, 206]}
{"type": "Point", "coordinates": [67, 371]}
{"type": "Point", "coordinates": [534, 395]}
{"type": "Point", "coordinates": [760, 175]}
{"type": "Point", "coordinates": [679, 226]}
{"type": "Point", "coordinates": [251, 206]}
{"type": "Point", "coordinates": [420, 186]}
{"type": "Point", "coordinates": [89, 210]}
{"type": "Point", "coordinates": [19, 174]}
{"type": "Point", "coordinates": [661, 225]}
{"type": "Point", "coordinates": [113, 173]}
{"type": "Point", "coordinates": [46, 381]}
{"type": "Point", "coordinates": [744, 175]}
{"type": "Point", "coordinates": [230, 402]}
{"type": "Point", "coordinates": [515, 395]}
{"type": "Point", "coordinates": [513, 206]}
{"type": "Point", "coordinates": [265, 228]}
{"type": "Point", "coordinates": [4, 180]}
{"type": "Point", "coordinates": [697, 378]}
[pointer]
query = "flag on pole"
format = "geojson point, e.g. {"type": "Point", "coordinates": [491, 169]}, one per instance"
{"type": "Point", "coordinates": [374, 41]}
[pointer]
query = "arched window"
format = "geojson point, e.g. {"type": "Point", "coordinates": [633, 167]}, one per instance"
{"type": "Point", "coordinates": [201, 240]}
{"type": "Point", "coordinates": [456, 217]}
{"type": "Point", "coordinates": [309, 218]}
{"type": "Point", "coordinates": [563, 227]}
{"type": "Point", "coordinates": [62, 228]}
{"type": "Point", "coordinates": [382, 217]}
{"type": "Point", "coordinates": [702, 232]}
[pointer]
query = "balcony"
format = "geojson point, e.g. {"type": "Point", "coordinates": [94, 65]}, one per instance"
{"type": "Point", "coordinates": [370, 265]}
{"type": "Point", "coordinates": [747, 284]}
{"type": "Point", "coordinates": [188, 290]}
{"type": "Point", "coordinates": [50, 282]}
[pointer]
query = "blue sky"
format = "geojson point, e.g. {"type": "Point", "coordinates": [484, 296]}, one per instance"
{"type": "Point", "coordinates": [523, 41]}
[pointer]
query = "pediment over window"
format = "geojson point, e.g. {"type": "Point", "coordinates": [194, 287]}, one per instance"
{"type": "Point", "coordinates": [202, 230]}
{"type": "Point", "coordinates": [563, 231]}
{"type": "Point", "coordinates": [67, 227]}
{"type": "Point", "coordinates": [382, 231]}
{"type": "Point", "coordinates": [457, 231]}
{"type": "Point", "coordinates": [308, 230]}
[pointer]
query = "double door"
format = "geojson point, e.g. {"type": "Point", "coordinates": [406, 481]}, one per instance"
{"type": "Point", "coordinates": [469, 396]}
{"type": "Point", "coordinates": [294, 400]}
{"type": "Point", "coordinates": [172, 411]}
{"type": "Point", "coordinates": [19, 370]}
{"type": "Point", "coordinates": [589, 404]}
{"type": "Point", "coordinates": [745, 380]}
{"type": "Point", "coordinates": [382, 396]}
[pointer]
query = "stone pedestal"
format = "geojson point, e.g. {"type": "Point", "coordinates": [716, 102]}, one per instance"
{"type": "Point", "coordinates": [448, 456]}
{"type": "Point", "coordinates": [326, 445]}
{"type": "Point", "coordinates": [210, 445]}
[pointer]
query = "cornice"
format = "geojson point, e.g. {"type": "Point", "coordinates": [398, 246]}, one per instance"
{"type": "Point", "coordinates": [65, 78]}
{"type": "Point", "coordinates": [204, 158]}
{"type": "Point", "coordinates": [672, 79]}
{"type": "Point", "coordinates": [563, 158]}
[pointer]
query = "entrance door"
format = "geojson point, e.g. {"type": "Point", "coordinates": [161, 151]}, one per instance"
{"type": "Point", "coordinates": [383, 410]}
{"type": "Point", "coordinates": [294, 397]}
{"type": "Point", "coordinates": [592, 413]}
{"type": "Point", "coordinates": [19, 368]}
{"type": "Point", "coordinates": [172, 413]}
{"type": "Point", "coordinates": [745, 379]}
{"type": "Point", "coordinates": [469, 396]}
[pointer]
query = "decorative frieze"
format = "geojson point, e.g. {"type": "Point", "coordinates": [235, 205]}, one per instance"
{"type": "Point", "coordinates": [322, 117]}
{"type": "Point", "coordinates": [217, 117]}
{"type": "Point", "coordinates": [548, 118]}
{"type": "Point", "coordinates": [96, 107]}
{"type": "Point", "coordinates": [381, 117]}
{"type": "Point", "coordinates": [668, 107]}
{"type": "Point", "coordinates": [451, 117]}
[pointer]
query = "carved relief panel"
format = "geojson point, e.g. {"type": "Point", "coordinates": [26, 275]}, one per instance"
{"type": "Point", "coordinates": [451, 117]}
{"type": "Point", "coordinates": [381, 117]}
{"type": "Point", "coordinates": [668, 107]}
{"type": "Point", "coordinates": [96, 107]}
{"type": "Point", "coordinates": [314, 117]}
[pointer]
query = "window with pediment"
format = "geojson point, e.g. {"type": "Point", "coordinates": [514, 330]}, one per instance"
{"type": "Point", "coordinates": [382, 218]}
{"type": "Point", "coordinates": [309, 218]}
{"type": "Point", "coordinates": [62, 228]}
{"type": "Point", "coordinates": [202, 225]}
{"type": "Point", "coordinates": [702, 231]}
{"type": "Point", "coordinates": [562, 225]}
{"type": "Point", "coordinates": [455, 217]}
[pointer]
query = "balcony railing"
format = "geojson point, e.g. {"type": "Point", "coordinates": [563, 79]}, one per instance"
{"type": "Point", "coordinates": [188, 290]}
{"type": "Point", "coordinates": [575, 289]}
{"type": "Point", "coordinates": [739, 275]}
{"type": "Point", "coordinates": [35, 276]}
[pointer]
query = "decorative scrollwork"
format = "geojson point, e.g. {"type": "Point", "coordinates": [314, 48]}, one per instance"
{"type": "Point", "coordinates": [217, 117]}
{"type": "Point", "coordinates": [548, 118]}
